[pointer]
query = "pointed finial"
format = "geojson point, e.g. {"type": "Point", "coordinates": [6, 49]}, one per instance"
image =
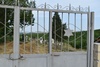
{"type": "Point", "coordinates": [57, 6]}
{"type": "Point", "coordinates": [79, 8]}
{"type": "Point", "coordinates": [88, 8]}
{"type": "Point", "coordinates": [69, 6]}
{"type": "Point", "coordinates": [45, 5]}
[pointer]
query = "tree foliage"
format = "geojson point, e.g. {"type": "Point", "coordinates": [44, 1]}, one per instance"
{"type": "Point", "coordinates": [57, 27]}
{"type": "Point", "coordinates": [8, 15]}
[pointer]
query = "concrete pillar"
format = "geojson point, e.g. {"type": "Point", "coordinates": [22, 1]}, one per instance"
{"type": "Point", "coordinates": [96, 55]}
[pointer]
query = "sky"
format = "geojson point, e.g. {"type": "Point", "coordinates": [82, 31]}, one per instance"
{"type": "Point", "coordinates": [93, 4]}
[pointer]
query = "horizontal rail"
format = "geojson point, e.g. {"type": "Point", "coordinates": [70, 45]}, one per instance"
{"type": "Point", "coordinates": [6, 6]}
{"type": "Point", "coordinates": [53, 10]}
{"type": "Point", "coordinates": [45, 9]}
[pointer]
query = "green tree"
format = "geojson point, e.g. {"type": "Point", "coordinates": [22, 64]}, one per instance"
{"type": "Point", "coordinates": [9, 15]}
{"type": "Point", "coordinates": [57, 27]}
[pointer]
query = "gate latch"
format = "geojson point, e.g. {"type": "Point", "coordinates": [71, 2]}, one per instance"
{"type": "Point", "coordinates": [55, 54]}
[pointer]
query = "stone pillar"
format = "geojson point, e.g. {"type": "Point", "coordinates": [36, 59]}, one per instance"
{"type": "Point", "coordinates": [96, 55]}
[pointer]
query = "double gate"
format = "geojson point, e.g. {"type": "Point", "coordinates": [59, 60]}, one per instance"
{"type": "Point", "coordinates": [46, 36]}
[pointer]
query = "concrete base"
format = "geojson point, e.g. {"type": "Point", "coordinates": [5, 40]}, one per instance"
{"type": "Point", "coordinates": [62, 59]}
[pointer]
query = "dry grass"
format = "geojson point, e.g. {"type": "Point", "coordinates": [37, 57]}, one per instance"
{"type": "Point", "coordinates": [8, 48]}
{"type": "Point", "coordinates": [33, 48]}
{"type": "Point", "coordinates": [26, 48]}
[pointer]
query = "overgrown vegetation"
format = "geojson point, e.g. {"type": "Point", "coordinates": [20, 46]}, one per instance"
{"type": "Point", "coordinates": [71, 39]}
{"type": "Point", "coordinates": [57, 27]}
{"type": "Point", "coordinates": [7, 18]}
{"type": "Point", "coordinates": [42, 48]}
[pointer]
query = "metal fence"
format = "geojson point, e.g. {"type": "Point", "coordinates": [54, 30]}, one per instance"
{"type": "Point", "coordinates": [6, 32]}
{"type": "Point", "coordinates": [45, 29]}
{"type": "Point", "coordinates": [38, 30]}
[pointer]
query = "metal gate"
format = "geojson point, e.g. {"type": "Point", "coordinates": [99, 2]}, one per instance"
{"type": "Point", "coordinates": [46, 36]}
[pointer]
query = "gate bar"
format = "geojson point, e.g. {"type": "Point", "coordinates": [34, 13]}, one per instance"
{"type": "Point", "coordinates": [37, 31]}
{"type": "Point", "coordinates": [55, 22]}
{"type": "Point", "coordinates": [81, 34]}
{"type": "Point", "coordinates": [75, 31]}
{"type": "Point", "coordinates": [88, 38]}
{"type": "Point", "coordinates": [31, 40]}
{"type": "Point", "coordinates": [24, 34]}
{"type": "Point", "coordinates": [62, 32]}
{"type": "Point", "coordinates": [44, 30]}
{"type": "Point", "coordinates": [50, 32]}
{"type": "Point", "coordinates": [68, 28]}
{"type": "Point", "coordinates": [5, 31]}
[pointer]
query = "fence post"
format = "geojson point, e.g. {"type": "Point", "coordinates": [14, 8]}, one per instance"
{"type": "Point", "coordinates": [88, 38]}
{"type": "Point", "coordinates": [16, 35]}
{"type": "Point", "coordinates": [91, 38]}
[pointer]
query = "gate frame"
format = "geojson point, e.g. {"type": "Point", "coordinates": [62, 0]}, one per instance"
{"type": "Point", "coordinates": [90, 28]}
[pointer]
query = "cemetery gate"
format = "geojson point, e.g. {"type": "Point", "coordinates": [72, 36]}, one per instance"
{"type": "Point", "coordinates": [46, 36]}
